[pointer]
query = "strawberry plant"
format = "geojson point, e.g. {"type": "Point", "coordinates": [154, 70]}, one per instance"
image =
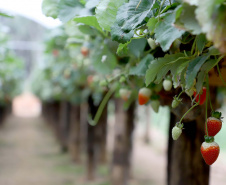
{"type": "Point", "coordinates": [136, 52]}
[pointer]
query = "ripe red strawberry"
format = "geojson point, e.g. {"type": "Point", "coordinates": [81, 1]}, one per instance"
{"type": "Point", "coordinates": [84, 51]}
{"type": "Point", "coordinates": [214, 124]}
{"type": "Point", "coordinates": [144, 95]}
{"type": "Point", "coordinates": [210, 150]}
{"type": "Point", "coordinates": [202, 96]}
{"type": "Point", "coordinates": [125, 94]}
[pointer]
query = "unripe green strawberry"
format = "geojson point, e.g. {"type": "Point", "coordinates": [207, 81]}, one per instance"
{"type": "Point", "coordinates": [122, 79]}
{"type": "Point", "coordinates": [176, 131]}
{"type": "Point", "coordinates": [152, 43]}
{"type": "Point", "coordinates": [176, 101]}
{"type": "Point", "coordinates": [155, 105]}
{"type": "Point", "coordinates": [125, 94]}
{"type": "Point", "coordinates": [103, 83]}
{"type": "Point", "coordinates": [167, 85]}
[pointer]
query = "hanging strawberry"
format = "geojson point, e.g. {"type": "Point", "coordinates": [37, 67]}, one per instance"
{"type": "Point", "coordinates": [155, 105]}
{"type": "Point", "coordinates": [176, 101]}
{"type": "Point", "coordinates": [177, 130]}
{"type": "Point", "coordinates": [202, 96]}
{"type": "Point", "coordinates": [84, 51]}
{"type": "Point", "coordinates": [144, 95]}
{"type": "Point", "coordinates": [167, 84]}
{"type": "Point", "coordinates": [124, 94]}
{"type": "Point", "coordinates": [210, 150]}
{"type": "Point", "coordinates": [214, 123]}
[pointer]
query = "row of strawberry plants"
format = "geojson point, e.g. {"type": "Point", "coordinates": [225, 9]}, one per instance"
{"type": "Point", "coordinates": [135, 48]}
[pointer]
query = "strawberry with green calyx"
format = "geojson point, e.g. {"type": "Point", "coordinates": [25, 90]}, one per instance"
{"type": "Point", "coordinates": [125, 94]}
{"type": "Point", "coordinates": [152, 43]}
{"type": "Point", "coordinates": [155, 103]}
{"type": "Point", "coordinates": [103, 83]}
{"type": "Point", "coordinates": [214, 123]}
{"type": "Point", "coordinates": [177, 130]}
{"type": "Point", "coordinates": [122, 79]}
{"type": "Point", "coordinates": [167, 84]}
{"type": "Point", "coordinates": [201, 98]}
{"type": "Point", "coordinates": [144, 95]}
{"type": "Point", "coordinates": [176, 101]}
{"type": "Point", "coordinates": [210, 150]}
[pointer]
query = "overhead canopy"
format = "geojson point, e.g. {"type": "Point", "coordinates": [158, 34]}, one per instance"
{"type": "Point", "coordinates": [30, 9]}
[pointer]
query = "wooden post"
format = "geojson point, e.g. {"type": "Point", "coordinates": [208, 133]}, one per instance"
{"type": "Point", "coordinates": [64, 125]}
{"type": "Point", "coordinates": [101, 137]}
{"type": "Point", "coordinates": [74, 133]}
{"type": "Point", "coordinates": [96, 139]}
{"type": "Point", "coordinates": [91, 142]}
{"type": "Point", "coordinates": [124, 127]}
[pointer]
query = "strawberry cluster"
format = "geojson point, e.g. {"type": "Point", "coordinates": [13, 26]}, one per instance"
{"type": "Point", "coordinates": [209, 149]}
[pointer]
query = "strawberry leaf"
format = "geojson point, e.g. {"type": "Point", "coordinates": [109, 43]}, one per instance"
{"type": "Point", "coordinates": [136, 47]}
{"type": "Point", "coordinates": [142, 67]}
{"type": "Point", "coordinates": [68, 9]}
{"type": "Point", "coordinates": [187, 19]}
{"type": "Point", "coordinates": [50, 8]}
{"type": "Point", "coordinates": [106, 12]}
{"type": "Point", "coordinates": [129, 17]}
{"type": "Point", "coordinates": [166, 33]}
{"type": "Point", "coordinates": [90, 21]}
{"type": "Point", "coordinates": [193, 68]}
{"type": "Point", "coordinates": [156, 66]}
{"type": "Point", "coordinates": [104, 61]}
{"type": "Point", "coordinates": [200, 42]}
{"type": "Point", "coordinates": [211, 16]}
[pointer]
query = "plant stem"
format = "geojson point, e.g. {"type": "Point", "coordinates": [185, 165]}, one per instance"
{"type": "Point", "coordinates": [180, 94]}
{"type": "Point", "coordinates": [160, 9]}
{"type": "Point", "coordinates": [208, 91]}
{"type": "Point", "coordinates": [188, 111]}
{"type": "Point", "coordinates": [101, 106]}
{"type": "Point", "coordinates": [193, 46]}
{"type": "Point", "coordinates": [138, 4]}
{"type": "Point", "coordinates": [207, 105]}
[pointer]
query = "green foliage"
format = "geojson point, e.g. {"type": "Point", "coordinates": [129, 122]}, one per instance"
{"type": "Point", "coordinates": [157, 65]}
{"type": "Point", "coordinates": [68, 9]}
{"type": "Point", "coordinates": [50, 8]}
{"type": "Point", "coordinates": [211, 17]}
{"type": "Point", "coordinates": [188, 38]}
{"type": "Point", "coordinates": [129, 17]}
{"type": "Point", "coordinates": [106, 12]}
{"type": "Point", "coordinates": [166, 33]}
{"type": "Point", "coordinates": [11, 71]}
{"type": "Point", "coordinates": [186, 19]}
{"type": "Point", "coordinates": [90, 21]}
{"type": "Point", "coordinates": [103, 60]}
{"type": "Point", "coordinates": [141, 67]}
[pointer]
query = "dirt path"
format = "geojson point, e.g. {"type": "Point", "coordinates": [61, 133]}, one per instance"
{"type": "Point", "coordinates": [30, 155]}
